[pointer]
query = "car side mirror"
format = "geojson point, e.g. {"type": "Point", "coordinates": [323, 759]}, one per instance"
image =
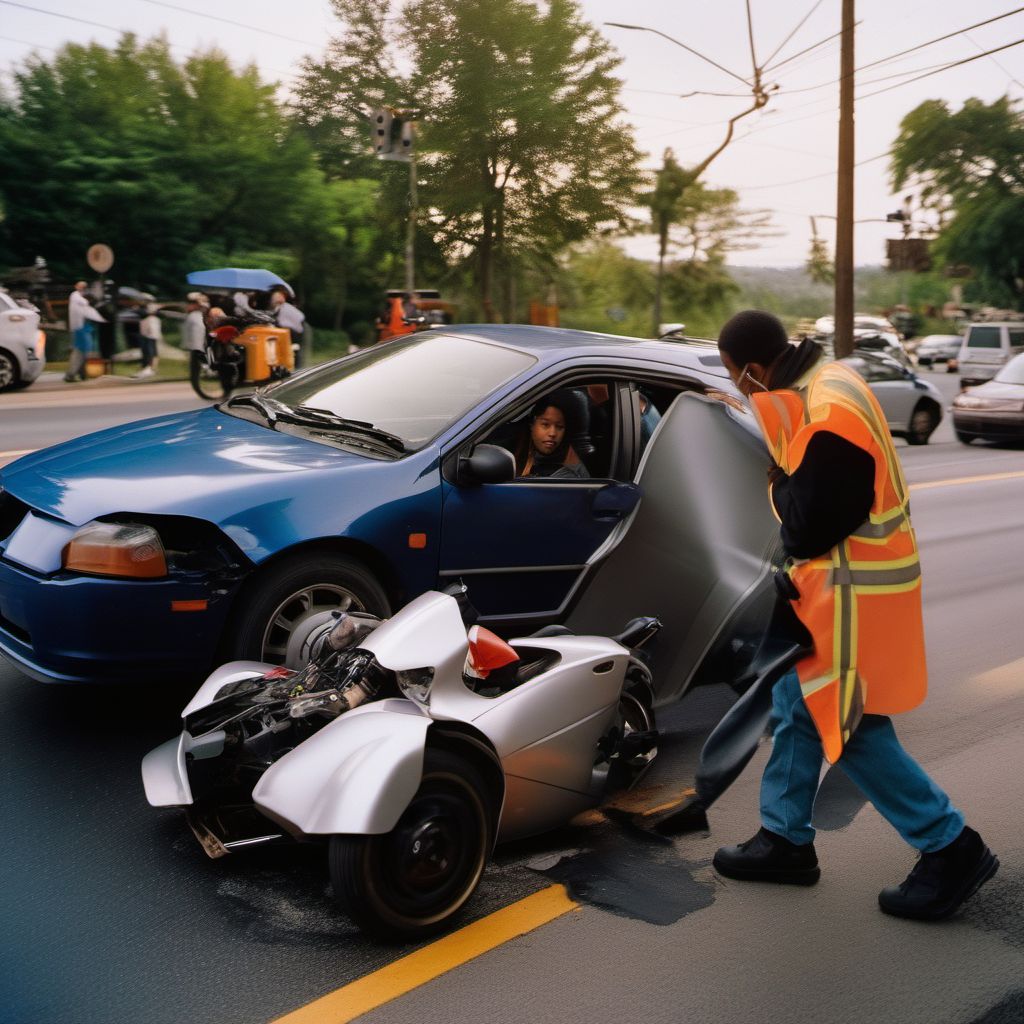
{"type": "Point", "coordinates": [487, 464]}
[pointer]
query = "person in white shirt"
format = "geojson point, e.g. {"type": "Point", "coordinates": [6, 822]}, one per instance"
{"type": "Point", "coordinates": [289, 316]}
{"type": "Point", "coordinates": [150, 335]}
{"type": "Point", "coordinates": [81, 317]}
{"type": "Point", "coordinates": [193, 331]}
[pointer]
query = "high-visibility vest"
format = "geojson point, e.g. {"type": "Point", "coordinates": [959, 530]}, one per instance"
{"type": "Point", "coordinates": [861, 602]}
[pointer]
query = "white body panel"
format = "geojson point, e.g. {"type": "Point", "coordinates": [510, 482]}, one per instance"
{"type": "Point", "coordinates": [356, 775]}
{"type": "Point", "coordinates": [232, 672]}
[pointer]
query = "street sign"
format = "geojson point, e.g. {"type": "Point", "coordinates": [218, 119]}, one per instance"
{"type": "Point", "coordinates": [100, 257]}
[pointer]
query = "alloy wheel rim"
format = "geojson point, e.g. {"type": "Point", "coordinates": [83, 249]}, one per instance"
{"type": "Point", "coordinates": [295, 609]}
{"type": "Point", "coordinates": [6, 371]}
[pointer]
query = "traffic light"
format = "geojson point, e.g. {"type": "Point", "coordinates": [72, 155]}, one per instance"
{"type": "Point", "coordinates": [393, 134]}
{"type": "Point", "coordinates": [381, 121]}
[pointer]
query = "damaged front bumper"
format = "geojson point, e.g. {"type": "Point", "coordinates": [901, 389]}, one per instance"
{"type": "Point", "coordinates": [220, 827]}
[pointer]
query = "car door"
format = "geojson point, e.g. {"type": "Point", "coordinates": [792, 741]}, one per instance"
{"type": "Point", "coordinates": [522, 545]}
{"type": "Point", "coordinates": [698, 552]}
{"type": "Point", "coordinates": [894, 390]}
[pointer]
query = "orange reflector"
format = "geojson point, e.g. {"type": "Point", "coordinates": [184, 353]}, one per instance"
{"type": "Point", "coordinates": [188, 606]}
{"type": "Point", "coordinates": [417, 540]}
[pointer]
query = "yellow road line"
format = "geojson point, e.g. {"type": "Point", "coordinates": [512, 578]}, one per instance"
{"type": "Point", "coordinates": [380, 987]}
{"type": "Point", "coordinates": [954, 481]}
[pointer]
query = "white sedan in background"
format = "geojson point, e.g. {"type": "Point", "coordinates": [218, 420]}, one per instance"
{"type": "Point", "coordinates": [22, 344]}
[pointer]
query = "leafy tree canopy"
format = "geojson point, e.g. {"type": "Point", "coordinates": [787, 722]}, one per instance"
{"type": "Point", "coordinates": [522, 149]}
{"type": "Point", "coordinates": [969, 166]}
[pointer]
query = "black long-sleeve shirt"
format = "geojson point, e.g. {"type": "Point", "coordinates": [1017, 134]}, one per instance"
{"type": "Point", "coordinates": [827, 498]}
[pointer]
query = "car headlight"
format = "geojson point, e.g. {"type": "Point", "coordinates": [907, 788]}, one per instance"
{"type": "Point", "coordinates": [989, 404]}
{"type": "Point", "coordinates": [117, 549]}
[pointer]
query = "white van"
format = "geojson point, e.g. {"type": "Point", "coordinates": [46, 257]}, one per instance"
{"type": "Point", "coordinates": [986, 347]}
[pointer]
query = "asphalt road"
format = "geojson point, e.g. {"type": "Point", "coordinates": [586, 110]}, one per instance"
{"type": "Point", "coordinates": [110, 912]}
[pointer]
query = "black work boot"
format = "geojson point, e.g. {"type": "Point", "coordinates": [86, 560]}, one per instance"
{"type": "Point", "coordinates": [769, 858]}
{"type": "Point", "coordinates": [942, 880]}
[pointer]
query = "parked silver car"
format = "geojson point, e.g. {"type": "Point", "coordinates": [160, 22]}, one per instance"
{"type": "Point", "coordinates": [912, 406]}
{"type": "Point", "coordinates": [939, 348]}
{"type": "Point", "coordinates": [993, 411]}
{"type": "Point", "coordinates": [22, 344]}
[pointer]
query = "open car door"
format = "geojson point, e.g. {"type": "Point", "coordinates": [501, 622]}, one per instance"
{"type": "Point", "coordinates": [698, 551]}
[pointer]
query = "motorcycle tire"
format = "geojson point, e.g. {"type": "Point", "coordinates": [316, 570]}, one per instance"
{"type": "Point", "coordinates": [209, 383]}
{"type": "Point", "coordinates": [277, 600]}
{"type": "Point", "coordinates": [412, 881]}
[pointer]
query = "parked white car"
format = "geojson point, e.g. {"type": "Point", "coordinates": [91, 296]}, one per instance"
{"type": "Point", "coordinates": [22, 344]}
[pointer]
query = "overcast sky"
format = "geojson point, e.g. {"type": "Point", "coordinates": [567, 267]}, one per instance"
{"type": "Point", "coordinates": [784, 157]}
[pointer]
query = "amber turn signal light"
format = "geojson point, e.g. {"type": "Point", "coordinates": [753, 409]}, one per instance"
{"type": "Point", "coordinates": [117, 549]}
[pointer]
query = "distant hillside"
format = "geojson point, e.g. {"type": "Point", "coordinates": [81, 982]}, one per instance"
{"type": "Point", "coordinates": [791, 294]}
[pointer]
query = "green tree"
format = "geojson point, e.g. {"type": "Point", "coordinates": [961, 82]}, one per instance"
{"type": "Point", "coordinates": [522, 150]}
{"type": "Point", "coordinates": [969, 166]}
{"type": "Point", "coordinates": [126, 146]}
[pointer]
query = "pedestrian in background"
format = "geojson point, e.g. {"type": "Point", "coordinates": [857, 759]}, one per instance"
{"type": "Point", "coordinates": [81, 317]}
{"type": "Point", "coordinates": [854, 581]}
{"type": "Point", "coordinates": [288, 315]}
{"type": "Point", "coordinates": [150, 336]}
{"type": "Point", "coordinates": [193, 332]}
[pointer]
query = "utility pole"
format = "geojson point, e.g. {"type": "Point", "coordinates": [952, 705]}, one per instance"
{"type": "Point", "coordinates": [410, 229]}
{"type": "Point", "coordinates": [843, 340]}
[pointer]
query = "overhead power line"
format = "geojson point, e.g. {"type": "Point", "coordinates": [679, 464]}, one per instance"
{"type": "Point", "coordinates": [800, 25]}
{"type": "Point", "coordinates": [228, 21]}
{"type": "Point", "coordinates": [947, 67]}
{"type": "Point", "coordinates": [689, 49]}
{"type": "Point", "coordinates": [113, 28]}
{"type": "Point", "coordinates": [903, 53]}
{"type": "Point", "coordinates": [940, 39]}
{"type": "Point", "coordinates": [1006, 71]}
{"type": "Point", "coordinates": [814, 177]}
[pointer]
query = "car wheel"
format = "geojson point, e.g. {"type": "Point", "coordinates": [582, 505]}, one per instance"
{"type": "Point", "coordinates": [922, 424]}
{"type": "Point", "coordinates": [962, 437]}
{"type": "Point", "coordinates": [8, 371]}
{"type": "Point", "coordinates": [281, 601]}
{"type": "Point", "coordinates": [410, 882]}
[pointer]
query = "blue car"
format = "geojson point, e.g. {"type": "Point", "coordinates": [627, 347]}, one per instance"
{"type": "Point", "coordinates": [162, 548]}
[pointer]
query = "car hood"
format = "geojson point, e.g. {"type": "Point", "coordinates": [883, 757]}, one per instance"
{"type": "Point", "coordinates": [205, 464]}
{"type": "Point", "coordinates": [997, 389]}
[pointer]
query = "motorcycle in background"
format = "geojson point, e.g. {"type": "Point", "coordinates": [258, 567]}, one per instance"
{"type": "Point", "coordinates": [411, 747]}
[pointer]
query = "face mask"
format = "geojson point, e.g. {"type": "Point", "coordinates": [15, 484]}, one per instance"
{"type": "Point", "coordinates": [757, 383]}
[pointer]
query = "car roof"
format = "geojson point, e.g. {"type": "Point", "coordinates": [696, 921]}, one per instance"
{"type": "Point", "coordinates": [551, 343]}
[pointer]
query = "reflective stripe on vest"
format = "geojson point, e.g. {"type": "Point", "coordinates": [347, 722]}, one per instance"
{"type": "Point", "coordinates": [877, 564]}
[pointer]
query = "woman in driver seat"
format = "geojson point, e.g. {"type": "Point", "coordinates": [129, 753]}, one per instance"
{"type": "Point", "coordinates": [544, 449]}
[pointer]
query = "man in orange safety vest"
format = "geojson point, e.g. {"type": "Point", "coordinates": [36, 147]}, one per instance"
{"type": "Point", "coordinates": [854, 581]}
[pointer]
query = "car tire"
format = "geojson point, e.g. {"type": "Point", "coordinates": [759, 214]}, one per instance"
{"type": "Point", "coordinates": [412, 881]}
{"type": "Point", "coordinates": [923, 422]}
{"type": "Point", "coordinates": [962, 437]}
{"type": "Point", "coordinates": [9, 370]}
{"type": "Point", "coordinates": [278, 600]}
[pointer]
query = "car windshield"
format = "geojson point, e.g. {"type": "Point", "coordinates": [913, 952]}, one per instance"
{"type": "Point", "coordinates": [413, 388]}
{"type": "Point", "coordinates": [1012, 372]}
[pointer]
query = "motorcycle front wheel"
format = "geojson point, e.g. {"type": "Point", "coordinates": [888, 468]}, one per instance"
{"type": "Point", "coordinates": [214, 383]}
{"type": "Point", "coordinates": [411, 882]}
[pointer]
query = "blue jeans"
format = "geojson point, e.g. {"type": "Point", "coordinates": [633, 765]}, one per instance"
{"type": "Point", "coordinates": [873, 760]}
